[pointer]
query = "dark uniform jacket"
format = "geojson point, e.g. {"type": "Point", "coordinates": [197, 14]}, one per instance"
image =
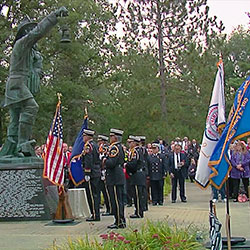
{"type": "Point", "coordinates": [91, 160]}
{"type": "Point", "coordinates": [171, 164]}
{"type": "Point", "coordinates": [114, 165]}
{"type": "Point", "coordinates": [157, 166]}
{"type": "Point", "coordinates": [103, 150]}
{"type": "Point", "coordinates": [135, 166]}
{"type": "Point", "coordinates": [144, 159]}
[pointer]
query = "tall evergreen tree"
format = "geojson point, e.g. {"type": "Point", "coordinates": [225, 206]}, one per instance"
{"type": "Point", "coordinates": [167, 26]}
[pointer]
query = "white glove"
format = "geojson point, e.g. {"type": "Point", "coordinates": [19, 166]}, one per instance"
{"type": "Point", "coordinates": [87, 178]}
{"type": "Point", "coordinates": [103, 174]}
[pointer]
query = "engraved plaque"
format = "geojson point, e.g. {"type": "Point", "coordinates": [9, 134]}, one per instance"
{"type": "Point", "coordinates": [22, 194]}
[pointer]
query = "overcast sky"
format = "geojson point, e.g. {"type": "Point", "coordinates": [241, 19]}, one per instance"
{"type": "Point", "coordinates": [230, 12]}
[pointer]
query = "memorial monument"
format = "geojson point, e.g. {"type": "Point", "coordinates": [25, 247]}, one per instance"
{"type": "Point", "coordinates": [21, 184]}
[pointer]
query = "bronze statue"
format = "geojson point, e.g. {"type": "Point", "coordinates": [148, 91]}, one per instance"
{"type": "Point", "coordinates": [24, 83]}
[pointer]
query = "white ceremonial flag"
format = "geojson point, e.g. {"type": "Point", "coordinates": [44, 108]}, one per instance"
{"type": "Point", "coordinates": [214, 125]}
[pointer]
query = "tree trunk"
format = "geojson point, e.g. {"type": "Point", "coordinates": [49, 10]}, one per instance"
{"type": "Point", "coordinates": [1, 127]}
{"type": "Point", "coordinates": [161, 64]}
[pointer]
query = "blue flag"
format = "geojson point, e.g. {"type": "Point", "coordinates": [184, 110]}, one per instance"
{"type": "Point", "coordinates": [76, 168]}
{"type": "Point", "coordinates": [238, 126]}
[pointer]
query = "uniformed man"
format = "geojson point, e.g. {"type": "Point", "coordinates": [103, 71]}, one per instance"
{"type": "Point", "coordinates": [103, 150]}
{"type": "Point", "coordinates": [92, 170]}
{"type": "Point", "coordinates": [157, 166]}
{"type": "Point", "coordinates": [129, 189]}
{"type": "Point", "coordinates": [115, 177]}
{"type": "Point", "coordinates": [146, 193]}
{"type": "Point", "coordinates": [134, 168]}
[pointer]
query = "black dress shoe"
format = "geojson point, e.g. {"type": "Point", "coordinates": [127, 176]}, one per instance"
{"type": "Point", "coordinates": [160, 204]}
{"type": "Point", "coordinates": [93, 219]}
{"type": "Point", "coordinates": [106, 214]}
{"type": "Point", "coordinates": [183, 200]}
{"type": "Point", "coordinates": [134, 216]}
{"type": "Point", "coordinates": [154, 204]}
{"type": "Point", "coordinates": [173, 201]}
{"type": "Point", "coordinates": [113, 226]}
{"type": "Point", "coordinates": [123, 225]}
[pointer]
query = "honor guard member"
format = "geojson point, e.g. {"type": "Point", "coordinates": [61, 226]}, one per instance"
{"type": "Point", "coordinates": [92, 170]}
{"type": "Point", "coordinates": [103, 150]}
{"type": "Point", "coordinates": [129, 189]}
{"type": "Point", "coordinates": [134, 168]}
{"type": "Point", "coordinates": [146, 193]}
{"type": "Point", "coordinates": [157, 166]}
{"type": "Point", "coordinates": [115, 177]}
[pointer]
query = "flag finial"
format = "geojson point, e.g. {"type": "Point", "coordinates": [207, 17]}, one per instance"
{"type": "Point", "coordinates": [220, 57]}
{"type": "Point", "coordinates": [59, 95]}
{"type": "Point", "coordinates": [85, 111]}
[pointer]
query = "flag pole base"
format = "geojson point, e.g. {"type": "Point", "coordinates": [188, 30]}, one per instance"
{"type": "Point", "coordinates": [63, 221]}
{"type": "Point", "coordinates": [236, 243]}
{"type": "Point", "coordinates": [234, 240]}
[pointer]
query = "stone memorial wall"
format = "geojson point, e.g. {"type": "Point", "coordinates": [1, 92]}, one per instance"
{"type": "Point", "coordinates": [22, 194]}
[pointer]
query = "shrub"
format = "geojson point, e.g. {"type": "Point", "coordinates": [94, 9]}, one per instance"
{"type": "Point", "coordinates": [151, 235]}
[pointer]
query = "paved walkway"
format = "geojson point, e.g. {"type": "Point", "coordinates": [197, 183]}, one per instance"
{"type": "Point", "coordinates": [41, 235]}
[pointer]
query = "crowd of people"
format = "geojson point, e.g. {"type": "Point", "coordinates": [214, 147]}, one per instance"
{"type": "Point", "coordinates": [134, 173]}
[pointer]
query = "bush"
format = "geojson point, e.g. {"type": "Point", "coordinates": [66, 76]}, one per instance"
{"type": "Point", "coordinates": [152, 235]}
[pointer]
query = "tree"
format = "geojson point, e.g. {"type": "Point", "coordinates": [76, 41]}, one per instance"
{"type": "Point", "coordinates": [76, 70]}
{"type": "Point", "coordinates": [166, 27]}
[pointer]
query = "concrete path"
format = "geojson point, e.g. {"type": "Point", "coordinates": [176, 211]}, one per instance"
{"type": "Point", "coordinates": [41, 235]}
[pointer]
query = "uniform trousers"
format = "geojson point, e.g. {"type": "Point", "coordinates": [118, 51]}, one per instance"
{"type": "Point", "coordinates": [157, 191]}
{"type": "Point", "coordinates": [116, 193]}
{"type": "Point", "coordinates": [104, 190]}
{"type": "Point", "coordinates": [129, 192]}
{"type": "Point", "coordinates": [145, 196]}
{"type": "Point", "coordinates": [93, 196]}
{"type": "Point", "coordinates": [178, 177]}
{"type": "Point", "coordinates": [236, 186]}
{"type": "Point", "coordinates": [139, 199]}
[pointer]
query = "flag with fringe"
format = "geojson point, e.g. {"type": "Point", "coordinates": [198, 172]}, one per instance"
{"type": "Point", "coordinates": [238, 126]}
{"type": "Point", "coordinates": [76, 168]}
{"type": "Point", "coordinates": [53, 155]}
{"type": "Point", "coordinates": [214, 125]}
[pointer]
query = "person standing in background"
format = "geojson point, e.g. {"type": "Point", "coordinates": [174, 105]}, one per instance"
{"type": "Point", "coordinates": [177, 164]}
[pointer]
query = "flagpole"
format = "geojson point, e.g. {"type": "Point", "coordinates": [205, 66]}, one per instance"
{"type": "Point", "coordinates": [86, 112]}
{"type": "Point", "coordinates": [227, 223]}
{"type": "Point", "coordinates": [228, 226]}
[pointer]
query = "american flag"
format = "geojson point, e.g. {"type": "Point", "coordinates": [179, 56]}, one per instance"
{"type": "Point", "coordinates": [54, 160]}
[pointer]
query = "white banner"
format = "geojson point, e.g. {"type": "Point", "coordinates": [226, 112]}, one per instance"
{"type": "Point", "coordinates": [215, 121]}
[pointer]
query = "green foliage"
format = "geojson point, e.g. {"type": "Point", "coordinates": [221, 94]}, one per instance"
{"type": "Point", "coordinates": [118, 75]}
{"type": "Point", "coordinates": [151, 235]}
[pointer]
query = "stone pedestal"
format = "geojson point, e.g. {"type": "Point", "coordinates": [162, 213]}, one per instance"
{"type": "Point", "coordinates": [22, 195]}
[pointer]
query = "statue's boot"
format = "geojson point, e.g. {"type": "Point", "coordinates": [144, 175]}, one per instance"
{"type": "Point", "coordinates": [25, 145]}
{"type": "Point", "coordinates": [8, 148]}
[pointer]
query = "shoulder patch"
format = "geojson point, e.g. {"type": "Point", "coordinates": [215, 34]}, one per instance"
{"type": "Point", "coordinates": [87, 148]}
{"type": "Point", "coordinates": [133, 155]}
{"type": "Point", "coordinates": [113, 152]}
